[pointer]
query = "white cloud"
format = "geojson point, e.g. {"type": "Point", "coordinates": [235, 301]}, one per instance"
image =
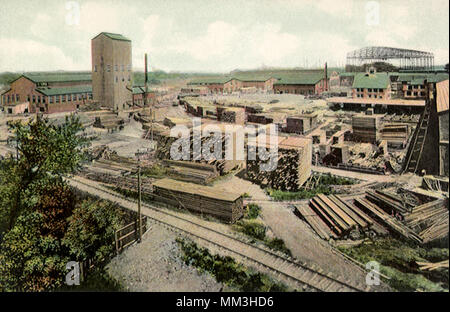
{"type": "Point", "coordinates": [33, 56]}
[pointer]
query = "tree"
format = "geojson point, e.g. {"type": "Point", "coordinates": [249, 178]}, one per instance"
{"type": "Point", "coordinates": [90, 234]}
{"type": "Point", "coordinates": [36, 202]}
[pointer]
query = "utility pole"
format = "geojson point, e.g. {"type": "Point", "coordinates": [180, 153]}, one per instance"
{"type": "Point", "coordinates": [139, 201]}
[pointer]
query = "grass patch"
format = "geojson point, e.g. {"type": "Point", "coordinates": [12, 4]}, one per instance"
{"type": "Point", "coordinates": [252, 211]}
{"type": "Point", "coordinates": [398, 261]}
{"type": "Point", "coordinates": [155, 171]}
{"type": "Point", "coordinates": [97, 280]}
{"type": "Point", "coordinates": [257, 232]}
{"type": "Point", "coordinates": [301, 194]}
{"type": "Point", "coordinates": [226, 270]}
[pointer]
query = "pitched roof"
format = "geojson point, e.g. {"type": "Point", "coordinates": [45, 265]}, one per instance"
{"type": "Point", "coordinates": [442, 96]}
{"type": "Point", "coordinates": [57, 77]}
{"type": "Point", "coordinates": [377, 80]}
{"type": "Point", "coordinates": [65, 90]}
{"type": "Point", "coordinates": [113, 36]}
{"type": "Point", "coordinates": [211, 80]}
{"type": "Point", "coordinates": [299, 78]}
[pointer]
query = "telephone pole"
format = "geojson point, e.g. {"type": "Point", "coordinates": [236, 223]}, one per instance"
{"type": "Point", "coordinates": [139, 201]}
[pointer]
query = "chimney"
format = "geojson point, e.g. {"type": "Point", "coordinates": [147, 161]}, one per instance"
{"type": "Point", "coordinates": [326, 77]}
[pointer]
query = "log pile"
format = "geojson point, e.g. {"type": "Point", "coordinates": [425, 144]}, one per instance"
{"type": "Point", "coordinates": [200, 199]}
{"type": "Point", "coordinates": [291, 164]}
{"type": "Point", "coordinates": [366, 128]}
{"type": "Point", "coordinates": [119, 181]}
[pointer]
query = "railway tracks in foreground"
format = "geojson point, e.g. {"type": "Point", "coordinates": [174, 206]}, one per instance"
{"type": "Point", "coordinates": [289, 269]}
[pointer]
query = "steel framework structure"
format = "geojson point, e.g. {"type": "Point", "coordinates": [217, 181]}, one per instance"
{"type": "Point", "coordinates": [408, 59]}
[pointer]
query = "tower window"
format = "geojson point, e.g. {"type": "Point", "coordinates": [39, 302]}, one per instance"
{"type": "Point", "coordinates": [108, 68]}
{"type": "Point", "coordinates": [117, 79]}
{"type": "Point", "coordinates": [95, 68]}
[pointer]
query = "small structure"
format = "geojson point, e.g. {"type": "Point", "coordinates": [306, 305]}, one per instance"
{"type": "Point", "coordinates": [231, 114]}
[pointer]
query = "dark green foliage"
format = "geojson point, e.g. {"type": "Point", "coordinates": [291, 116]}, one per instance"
{"type": "Point", "coordinates": [398, 261]}
{"type": "Point", "coordinates": [302, 194]}
{"type": "Point", "coordinates": [252, 211]}
{"type": "Point", "coordinates": [253, 229]}
{"type": "Point", "coordinates": [226, 270]}
{"type": "Point", "coordinates": [90, 234]}
{"type": "Point", "coordinates": [97, 280]}
{"type": "Point", "coordinates": [278, 244]}
{"type": "Point", "coordinates": [37, 237]}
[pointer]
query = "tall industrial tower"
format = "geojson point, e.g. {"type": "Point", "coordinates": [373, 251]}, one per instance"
{"type": "Point", "coordinates": [111, 70]}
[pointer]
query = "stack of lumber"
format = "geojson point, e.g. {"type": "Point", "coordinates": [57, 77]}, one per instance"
{"type": "Point", "coordinates": [108, 121]}
{"type": "Point", "coordinates": [259, 119]}
{"type": "Point", "coordinates": [231, 114]}
{"type": "Point", "coordinates": [223, 166]}
{"type": "Point", "coordinates": [332, 217]}
{"type": "Point", "coordinates": [202, 199]}
{"type": "Point", "coordinates": [386, 219]}
{"type": "Point", "coordinates": [190, 171]}
{"type": "Point", "coordinates": [430, 220]}
{"type": "Point", "coordinates": [389, 202]}
{"type": "Point", "coordinates": [288, 167]}
{"type": "Point", "coordinates": [119, 181]}
{"type": "Point", "coordinates": [395, 134]}
{"type": "Point", "coordinates": [366, 128]}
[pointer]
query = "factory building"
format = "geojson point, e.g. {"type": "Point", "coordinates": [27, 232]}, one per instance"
{"type": "Point", "coordinates": [371, 85]}
{"type": "Point", "coordinates": [305, 83]}
{"type": "Point", "coordinates": [47, 93]}
{"type": "Point", "coordinates": [112, 70]}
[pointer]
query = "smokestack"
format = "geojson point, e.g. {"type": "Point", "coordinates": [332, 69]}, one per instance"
{"type": "Point", "coordinates": [326, 76]}
{"type": "Point", "coordinates": [146, 82]}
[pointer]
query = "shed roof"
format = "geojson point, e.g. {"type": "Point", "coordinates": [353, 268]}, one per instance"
{"type": "Point", "coordinates": [211, 80]}
{"type": "Point", "coordinates": [65, 90]}
{"type": "Point", "coordinates": [57, 77]}
{"type": "Point", "coordinates": [301, 78]}
{"type": "Point", "coordinates": [442, 96]}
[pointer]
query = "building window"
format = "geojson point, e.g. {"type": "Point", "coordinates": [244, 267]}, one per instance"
{"type": "Point", "coordinates": [123, 67]}
{"type": "Point", "coordinates": [63, 98]}
{"type": "Point", "coordinates": [90, 96]}
{"type": "Point", "coordinates": [69, 97]}
{"type": "Point", "coordinates": [51, 99]}
{"type": "Point", "coordinates": [108, 68]}
{"type": "Point", "coordinates": [116, 67]}
{"type": "Point", "coordinates": [117, 79]}
{"type": "Point", "coordinates": [95, 68]}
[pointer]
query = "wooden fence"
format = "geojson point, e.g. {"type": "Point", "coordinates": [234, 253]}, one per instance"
{"type": "Point", "coordinates": [128, 234]}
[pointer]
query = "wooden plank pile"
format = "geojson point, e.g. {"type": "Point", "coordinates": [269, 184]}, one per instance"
{"type": "Point", "coordinates": [202, 199]}
{"type": "Point", "coordinates": [119, 181]}
{"type": "Point", "coordinates": [291, 163]}
{"type": "Point", "coordinates": [430, 266]}
{"type": "Point", "coordinates": [386, 219]}
{"type": "Point", "coordinates": [190, 171]}
{"type": "Point", "coordinates": [395, 134]}
{"type": "Point", "coordinates": [332, 217]}
{"type": "Point", "coordinates": [366, 128]}
{"type": "Point", "coordinates": [430, 220]}
{"type": "Point", "coordinates": [231, 114]}
{"type": "Point", "coordinates": [223, 166]}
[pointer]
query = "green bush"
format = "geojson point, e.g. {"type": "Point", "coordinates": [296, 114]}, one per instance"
{"type": "Point", "coordinates": [252, 229]}
{"type": "Point", "coordinates": [278, 244]}
{"type": "Point", "coordinates": [226, 270]}
{"type": "Point", "coordinates": [253, 211]}
{"type": "Point", "coordinates": [155, 171]}
{"type": "Point", "coordinates": [398, 261]}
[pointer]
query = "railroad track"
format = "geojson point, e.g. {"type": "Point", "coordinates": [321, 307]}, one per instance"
{"type": "Point", "coordinates": [288, 268]}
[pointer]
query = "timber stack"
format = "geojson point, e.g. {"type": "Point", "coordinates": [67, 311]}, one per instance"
{"type": "Point", "coordinates": [200, 199]}
{"type": "Point", "coordinates": [366, 128]}
{"type": "Point", "coordinates": [286, 168]}
{"type": "Point", "coordinates": [190, 171]}
{"type": "Point", "coordinates": [395, 134]}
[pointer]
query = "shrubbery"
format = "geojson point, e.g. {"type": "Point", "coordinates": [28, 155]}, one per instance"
{"type": "Point", "coordinates": [226, 270]}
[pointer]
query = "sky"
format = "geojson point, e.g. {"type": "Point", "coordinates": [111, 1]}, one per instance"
{"type": "Point", "coordinates": [217, 35]}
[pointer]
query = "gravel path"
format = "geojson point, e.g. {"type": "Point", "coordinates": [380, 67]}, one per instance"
{"type": "Point", "coordinates": [155, 265]}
